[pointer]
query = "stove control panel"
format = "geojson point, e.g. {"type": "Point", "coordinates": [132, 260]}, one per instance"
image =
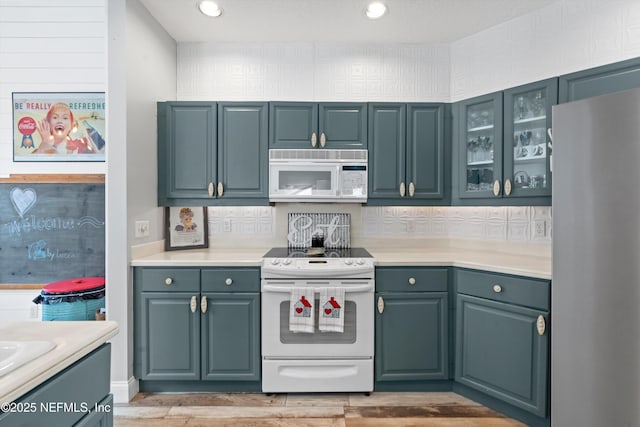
{"type": "Point", "coordinates": [317, 267]}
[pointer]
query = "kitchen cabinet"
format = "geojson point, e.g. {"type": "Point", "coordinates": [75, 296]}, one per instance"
{"type": "Point", "coordinates": [83, 388]}
{"type": "Point", "coordinates": [502, 155]}
{"type": "Point", "coordinates": [197, 325]}
{"type": "Point", "coordinates": [600, 80]}
{"type": "Point", "coordinates": [411, 327]}
{"type": "Point", "coordinates": [306, 125]}
{"type": "Point", "coordinates": [502, 338]}
{"type": "Point", "coordinates": [212, 153]}
{"type": "Point", "coordinates": [407, 154]}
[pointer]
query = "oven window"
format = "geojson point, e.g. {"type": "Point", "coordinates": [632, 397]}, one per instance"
{"type": "Point", "coordinates": [318, 337]}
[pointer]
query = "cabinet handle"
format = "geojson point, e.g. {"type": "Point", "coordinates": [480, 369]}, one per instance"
{"type": "Point", "coordinates": [314, 140]}
{"type": "Point", "coordinates": [203, 304]}
{"type": "Point", "coordinates": [402, 189]}
{"type": "Point", "coordinates": [194, 304]}
{"type": "Point", "coordinates": [211, 189]}
{"type": "Point", "coordinates": [497, 288]}
{"type": "Point", "coordinates": [412, 281]}
{"type": "Point", "coordinates": [220, 189]}
{"type": "Point", "coordinates": [496, 188]}
{"type": "Point", "coordinates": [412, 189]}
{"type": "Point", "coordinates": [168, 281]}
{"type": "Point", "coordinates": [380, 305]}
{"type": "Point", "coordinates": [507, 187]}
{"type": "Point", "coordinates": [541, 325]}
{"type": "Point", "coordinates": [228, 281]}
{"type": "Point", "coordinates": [323, 139]}
{"type": "Point", "coordinates": [550, 144]}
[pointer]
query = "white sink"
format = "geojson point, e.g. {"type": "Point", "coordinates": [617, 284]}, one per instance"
{"type": "Point", "coordinates": [14, 354]}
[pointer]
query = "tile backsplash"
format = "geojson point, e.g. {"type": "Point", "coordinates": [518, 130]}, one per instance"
{"type": "Point", "coordinates": [527, 224]}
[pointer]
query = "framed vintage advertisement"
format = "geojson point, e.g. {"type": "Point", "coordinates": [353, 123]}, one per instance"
{"type": "Point", "coordinates": [59, 126]}
{"type": "Point", "coordinates": [186, 228]}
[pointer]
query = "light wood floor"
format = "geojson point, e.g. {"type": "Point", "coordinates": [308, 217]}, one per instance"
{"type": "Point", "coordinates": [437, 409]}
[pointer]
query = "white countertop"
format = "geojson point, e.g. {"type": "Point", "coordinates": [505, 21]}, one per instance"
{"type": "Point", "coordinates": [73, 339]}
{"type": "Point", "coordinates": [530, 262]}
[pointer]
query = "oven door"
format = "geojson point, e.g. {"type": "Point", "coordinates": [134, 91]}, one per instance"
{"type": "Point", "coordinates": [356, 341]}
{"type": "Point", "coordinates": [301, 181]}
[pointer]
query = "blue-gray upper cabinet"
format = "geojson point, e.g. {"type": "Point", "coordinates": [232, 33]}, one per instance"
{"type": "Point", "coordinates": [411, 326]}
{"type": "Point", "coordinates": [407, 153]}
{"type": "Point", "coordinates": [502, 338]}
{"type": "Point", "coordinates": [500, 150]}
{"type": "Point", "coordinates": [303, 125]}
{"type": "Point", "coordinates": [527, 123]}
{"type": "Point", "coordinates": [243, 166]}
{"type": "Point", "coordinates": [600, 80]}
{"type": "Point", "coordinates": [212, 154]}
{"type": "Point", "coordinates": [187, 154]}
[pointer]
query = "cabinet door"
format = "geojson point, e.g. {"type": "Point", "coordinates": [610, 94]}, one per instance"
{"type": "Point", "coordinates": [293, 124]}
{"type": "Point", "coordinates": [479, 122]}
{"type": "Point", "coordinates": [387, 130]}
{"type": "Point", "coordinates": [242, 150]}
{"type": "Point", "coordinates": [425, 151]}
{"type": "Point", "coordinates": [169, 336]}
{"type": "Point", "coordinates": [500, 352]}
{"type": "Point", "coordinates": [186, 150]}
{"type": "Point", "coordinates": [527, 118]}
{"type": "Point", "coordinates": [600, 80]}
{"type": "Point", "coordinates": [342, 125]}
{"type": "Point", "coordinates": [231, 337]}
{"type": "Point", "coordinates": [411, 336]}
{"type": "Point", "coordinates": [100, 416]}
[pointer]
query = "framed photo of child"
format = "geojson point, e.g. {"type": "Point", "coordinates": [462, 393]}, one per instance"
{"type": "Point", "coordinates": [59, 126]}
{"type": "Point", "coordinates": [186, 228]}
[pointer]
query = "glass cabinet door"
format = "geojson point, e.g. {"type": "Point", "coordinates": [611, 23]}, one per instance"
{"type": "Point", "coordinates": [480, 128]}
{"type": "Point", "coordinates": [526, 148]}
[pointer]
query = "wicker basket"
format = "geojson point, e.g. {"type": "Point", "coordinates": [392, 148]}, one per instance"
{"type": "Point", "coordinates": [75, 299]}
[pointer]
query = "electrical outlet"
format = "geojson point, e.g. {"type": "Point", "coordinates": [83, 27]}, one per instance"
{"type": "Point", "coordinates": [227, 225]}
{"type": "Point", "coordinates": [142, 228]}
{"type": "Point", "coordinates": [540, 228]}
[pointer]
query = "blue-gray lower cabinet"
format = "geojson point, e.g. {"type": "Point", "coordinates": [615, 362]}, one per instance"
{"type": "Point", "coordinates": [502, 338]}
{"type": "Point", "coordinates": [197, 326]}
{"type": "Point", "coordinates": [77, 396]}
{"type": "Point", "coordinates": [411, 327]}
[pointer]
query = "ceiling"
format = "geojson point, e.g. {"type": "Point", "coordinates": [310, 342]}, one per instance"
{"type": "Point", "coordinates": [407, 21]}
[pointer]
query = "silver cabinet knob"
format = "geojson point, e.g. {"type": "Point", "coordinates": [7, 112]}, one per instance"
{"type": "Point", "coordinates": [412, 281]}
{"type": "Point", "coordinates": [220, 189]}
{"type": "Point", "coordinates": [402, 189]}
{"type": "Point", "coordinates": [203, 304]}
{"type": "Point", "coordinates": [497, 288]}
{"type": "Point", "coordinates": [496, 188]}
{"type": "Point", "coordinates": [380, 305]}
{"type": "Point", "coordinates": [412, 189]}
{"type": "Point", "coordinates": [168, 281]}
{"type": "Point", "coordinates": [314, 140]}
{"type": "Point", "coordinates": [323, 139]}
{"type": "Point", "coordinates": [211, 189]}
{"type": "Point", "coordinates": [194, 304]}
{"type": "Point", "coordinates": [228, 281]}
{"type": "Point", "coordinates": [507, 187]}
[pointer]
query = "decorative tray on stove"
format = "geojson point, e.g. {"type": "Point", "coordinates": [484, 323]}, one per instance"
{"type": "Point", "coordinates": [315, 251]}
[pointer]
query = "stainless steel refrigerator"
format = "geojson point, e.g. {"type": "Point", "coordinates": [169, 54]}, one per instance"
{"type": "Point", "coordinates": [595, 297]}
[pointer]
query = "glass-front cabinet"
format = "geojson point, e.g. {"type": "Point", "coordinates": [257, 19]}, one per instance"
{"type": "Point", "coordinates": [527, 129]}
{"type": "Point", "coordinates": [504, 144]}
{"type": "Point", "coordinates": [480, 136]}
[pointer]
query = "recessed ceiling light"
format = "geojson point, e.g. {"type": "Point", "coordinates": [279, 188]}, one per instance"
{"type": "Point", "coordinates": [209, 8]}
{"type": "Point", "coordinates": [375, 10]}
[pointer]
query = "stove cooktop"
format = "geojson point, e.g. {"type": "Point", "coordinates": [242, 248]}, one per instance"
{"type": "Point", "coordinates": [317, 253]}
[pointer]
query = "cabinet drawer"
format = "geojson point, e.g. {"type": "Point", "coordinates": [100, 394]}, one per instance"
{"type": "Point", "coordinates": [500, 287]}
{"type": "Point", "coordinates": [169, 279]}
{"type": "Point", "coordinates": [424, 279]}
{"type": "Point", "coordinates": [231, 280]}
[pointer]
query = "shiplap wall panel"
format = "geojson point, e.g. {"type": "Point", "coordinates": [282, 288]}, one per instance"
{"type": "Point", "coordinates": [49, 46]}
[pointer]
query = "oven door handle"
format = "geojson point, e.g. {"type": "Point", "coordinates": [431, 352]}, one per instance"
{"type": "Point", "coordinates": [347, 289]}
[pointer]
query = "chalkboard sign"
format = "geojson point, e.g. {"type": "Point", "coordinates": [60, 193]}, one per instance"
{"type": "Point", "coordinates": [51, 232]}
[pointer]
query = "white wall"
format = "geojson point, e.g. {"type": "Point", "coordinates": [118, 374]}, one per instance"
{"type": "Point", "coordinates": [567, 36]}
{"type": "Point", "coordinates": [49, 46]}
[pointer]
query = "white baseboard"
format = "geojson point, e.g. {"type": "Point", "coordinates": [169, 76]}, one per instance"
{"type": "Point", "coordinates": [123, 391]}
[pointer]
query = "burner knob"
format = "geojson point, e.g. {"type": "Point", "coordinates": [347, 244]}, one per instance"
{"type": "Point", "coordinates": [348, 261]}
{"type": "Point", "coordinates": [286, 261]}
{"type": "Point", "coordinates": [360, 261]}
{"type": "Point", "coordinates": [275, 261]}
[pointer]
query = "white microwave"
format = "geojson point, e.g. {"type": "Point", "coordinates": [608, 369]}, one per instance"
{"type": "Point", "coordinates": [318, 175]}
